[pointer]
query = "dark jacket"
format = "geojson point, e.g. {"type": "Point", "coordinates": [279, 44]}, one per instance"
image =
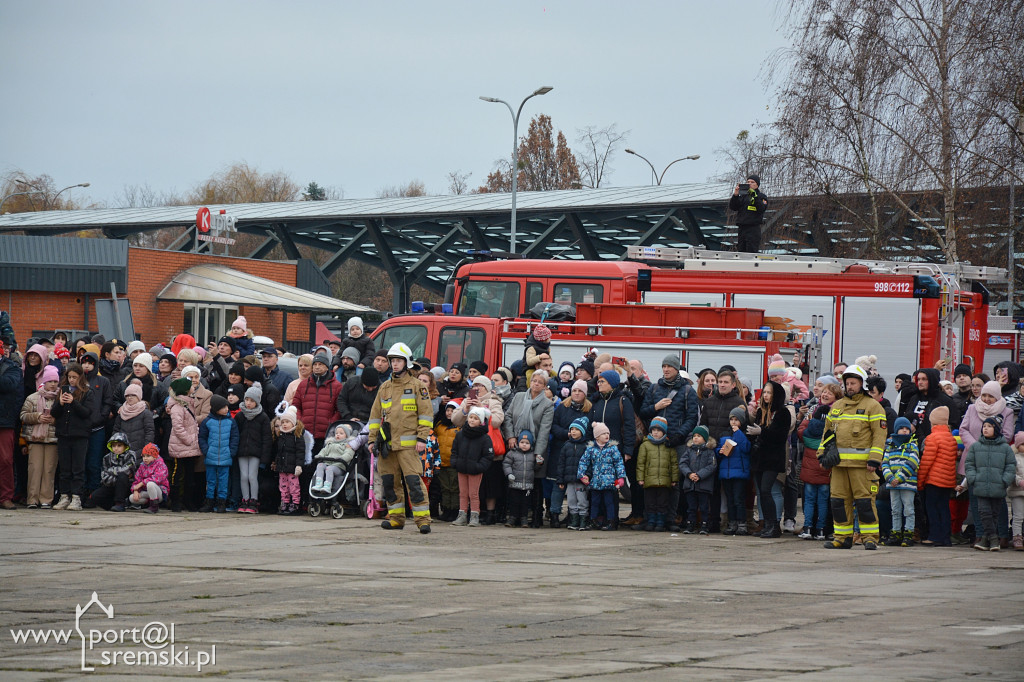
{"type": "Point", "coordinates": [124, 464]}
{"type": "Point", "coordinates": [447, 389]}
{"type": "Point", "coordinates": [254, 439]}
{"type": "Point", "coordinates": [472, 451]}
{"type": "Point", "coordinates": [218, 439]}
{"type": "Point", "coordinates": [919, 407]}
{"type": "Point", "coordinates": [749, 206]}
{"type": "Point", "coordinates": [616, 412]}
{"type": "Point", "coordinates": [354, 401]}
{"type": "Point", "coordinates": [364, 344]}
{"type": "Point", "coordinates": [681, 415]}
{"type": "Point", "coordinates": [715, 414]}
{"type": "Point", "coordinates": [565, 414]}
{"type": "Point", "coordinates": [139, 429]}
{"type": "Point", "coordinates": [770, 446]}
{"type": "Point", "coordinates": [991, 467]}
{"type": "Point", "coordinates": [569, 459]}
{"type": "Point", "coordinates": [700, 460]}
{"type": "Point", "coordinates": [12, 393]}
{"type": "Point", "coordinates": [73, 420]}
{"type": "Point", "coordinates": [289, 451]}
{"type": "Point", "coordinates": [101, 399]}
{"type": "Point", "coordinates": [279, 379]}
{"type": "Point", "coordinates": [523, 466]}
{"type": "Point", "coordinates": [737, 464]}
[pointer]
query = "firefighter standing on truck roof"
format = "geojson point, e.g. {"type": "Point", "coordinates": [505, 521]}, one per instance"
{"type": "Point", "coordinates": [858, 422]}
{"type": "Point", "coordinates": [750, 203]}
{"type": "Point", "coordinates": [403, 409]}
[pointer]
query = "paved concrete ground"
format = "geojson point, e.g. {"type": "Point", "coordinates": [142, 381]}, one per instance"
{"type": "Point", "coordinates": [300, 598]}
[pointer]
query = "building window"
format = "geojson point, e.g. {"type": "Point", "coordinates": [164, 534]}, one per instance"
{"type": "Point", "coordinates": [207, 323]}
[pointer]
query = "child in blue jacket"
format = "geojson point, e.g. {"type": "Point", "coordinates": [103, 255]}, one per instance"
{"type": "Point", "coordinates": [734, 472]}
{"type": "Point", "coordinates": [602, 469]}
{"type": "Point", "coordinates": [218, 441]}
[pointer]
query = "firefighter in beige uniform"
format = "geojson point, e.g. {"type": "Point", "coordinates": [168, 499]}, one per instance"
{"type": "Point", "coordinates": [858, 422]}
{"type": "Point", "coordinates": [403, 405]}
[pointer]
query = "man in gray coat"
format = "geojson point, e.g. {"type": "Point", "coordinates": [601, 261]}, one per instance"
{"type": "Point", "coordinates": [531, 410]}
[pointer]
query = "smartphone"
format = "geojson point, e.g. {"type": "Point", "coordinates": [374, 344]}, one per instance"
{"type": "Point", "coordinates": [213, 340]}
{"type": "Point", "coordinates": [616, 360]}
{"type": "Point", "coordinates": [65, 389]}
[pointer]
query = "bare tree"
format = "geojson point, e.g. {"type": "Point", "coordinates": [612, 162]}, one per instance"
{"type": "Point", "coordinates": [595, 149]}
{"type": "Point", "coordinates": [414, 188]}
{"type": "Point", "coordinates": [457, 182]}
{"type": "Point", "coordinates": [890, 97]}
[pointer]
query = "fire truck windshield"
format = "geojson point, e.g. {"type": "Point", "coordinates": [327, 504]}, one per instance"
{"type": "Point", "coordinates": [497, 299]}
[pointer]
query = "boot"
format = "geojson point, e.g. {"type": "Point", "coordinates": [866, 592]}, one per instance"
{"type": "Point", "coordinates": [222, 506]}
{"type": "Point", "coordinates": [730, 528]}
{"type": "Point", "coordinates": [474, 518]}
{"type": "Point", "coordinates": [553, 519]}
{"type": "Point", "coordinates": [995, 544]}
{"type": "Point", "coordinates": [318, 485]}
{"type": "Point", "coordinates": [741, 529]}
{"type": "Point", "coordinates": [511, 522]}
{"type": "Point", "coordinates": [461, 520]}
{"type": "Point", "coordinates": [486, 518]}
{"type": "Point", "coordinates": [659, 522]}
{"type": "Point", "coordinates": [704, 530]}
{"type": "Point", "coordinates": [840, 542]}
{"type": "Point", "coordinates": [1018, 543]}
{"type": "Point", "coordinates": [651, 523]}
{"type": "Point", "coordinates": [76, 503]}
{"type": "Point", "coordinates": [908, 539]}
{"type": "Point", "coordinates": [208, 507]}
{"type": "Point", "coordinates": [389, 524]}
{"type": "Point", "coordinates": [524, 523]}
{"type": "Point", "coordinates": [1004, 543]}
{"type": "Point", "coordinates": [153, 507]}
{"type": "Point", "coordinates": [983, 543]}
{"type": "Point", "coordinates": [572, 524]}
{"type": "Point", "coordinates": [435, 510]}
{"type": "Point", "coordinates": [895, 539]}
{"type": "Point", "coordinates": [63, 503]}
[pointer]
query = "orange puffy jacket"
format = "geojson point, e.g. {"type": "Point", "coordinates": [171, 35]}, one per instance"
{"type": "Point", "coordinates": [938, 461]}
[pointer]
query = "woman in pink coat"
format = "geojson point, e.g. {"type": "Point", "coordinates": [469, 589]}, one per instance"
{"type": "Point", "coordinates": [989, 404]}
{"type": "Point", "coordinates": [183, 445]}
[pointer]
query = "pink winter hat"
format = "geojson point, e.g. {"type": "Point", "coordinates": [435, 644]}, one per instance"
{"type": "Point", "coordinates": [240, 322]}
{"type": "Point", "coordinates": [599, 428]}
{"type": "Point", "coordinates": [49, 373]}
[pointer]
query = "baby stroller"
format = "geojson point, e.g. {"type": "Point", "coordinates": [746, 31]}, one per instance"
{"type": "Point", "coordinates": [351, 487]}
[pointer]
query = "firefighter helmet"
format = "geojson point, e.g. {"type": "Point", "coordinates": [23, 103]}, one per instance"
{"type": "Point", "coordinates": [400, 350]}
{"type": "Point", "coordinates": [855, 371]}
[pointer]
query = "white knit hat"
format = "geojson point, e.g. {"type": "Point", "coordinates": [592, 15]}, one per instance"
{"type": "Point", "coordinates": [190, 370]}
{"type": "Point", "coordinates": [355, 322]}
{"type": "Point", "coordinates": [144, 359]}
{"type": "Point", "coordinates": [134, 346]}
{"type": "Point", "coordinates": [482, 412]}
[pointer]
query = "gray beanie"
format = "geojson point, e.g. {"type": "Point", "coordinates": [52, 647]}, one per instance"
{"type": "Point", "coordinates": [672, 361]}
{"type": "Point", "coordinates": [255, 392]}
{"type": "Point", "coordinates": [351, 353]}
{"type": "Point", "coordinates": [740, 413]}
{"type": "Point", "coordinates": [829, 379]}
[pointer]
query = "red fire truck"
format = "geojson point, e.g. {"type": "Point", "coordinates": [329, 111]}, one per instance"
{"type": "Point", "coordinates": [747, 306]}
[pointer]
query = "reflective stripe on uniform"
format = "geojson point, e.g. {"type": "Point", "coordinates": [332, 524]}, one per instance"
{"type": "Point", "coordinates": [869, 529]}
{"type": "Point", "coordinates": [421, 511]}
{"type": "Point", "coordinates": [407, 441]}
{"type": "Point", "coordinates": [397, 509]}
{"type": "Point", "coordinates": [425, 422]}
{"type": "Point", "coordinates": [857, 417]}
{"type": "Point", "coordinates": [385, 404]}
{"type": "Point", "coordinates": [843, 529]}
{"type": "Point", "coordinates": [854, 454]}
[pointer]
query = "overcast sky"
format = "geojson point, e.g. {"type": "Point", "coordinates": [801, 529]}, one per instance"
{"type": "Point", "coordinates": [370, 94]}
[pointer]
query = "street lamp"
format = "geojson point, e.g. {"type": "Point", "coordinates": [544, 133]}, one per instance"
{"type": "Point", "coordinates": [515, 151]}
{"type": "Point", "coordinates": [654, 173]}
{"type": "Point", "coordinates": [46, 200]}
{"type": "Point", "coordinates": [17, 194]}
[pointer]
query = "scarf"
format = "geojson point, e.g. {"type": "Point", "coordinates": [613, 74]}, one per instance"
{"type": "Point", "coordinates": [40, 431]}
{"type": "Point", "coordinates": [502, 391]}
{"type": "Point", "coordinates": [250, 414]}
{"type": "Point", "coordinates": [656, 441]}
{"type": "Point", "coordinates": [994, 410]}
{"type": "Point", "coordinates": [127, 411]}
{"type": "Point", "coordinates": [109, 368]}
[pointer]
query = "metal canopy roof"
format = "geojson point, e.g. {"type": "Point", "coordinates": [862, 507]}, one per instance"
{"type": "Point", "coordinates": [74, 265]}
{"type": "Point", "coordinates": [222, 285]}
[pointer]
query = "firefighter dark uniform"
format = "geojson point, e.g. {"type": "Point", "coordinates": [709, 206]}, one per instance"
{"type": "Point", "coordinates": [859, 426]}
{"type": "Point", "coordinates": [402, 402]}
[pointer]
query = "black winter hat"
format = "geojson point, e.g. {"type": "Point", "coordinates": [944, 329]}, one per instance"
{"type": "Point", "coordinates": [254, 374]}
{"type": "Point", "coordinates": [230, 341]}
{"type": "Point", "coordinates": [217, 403]}
{"type": "Point", "coordinates": [962, 369]}
{"type": "Point", "coordinates": [370, 377]}
{"type": "Point", "coordinates": [755, 177]}
{"type": "Point", "coordinates": [238, 368]}
{"type": "Point", "coordinates": [588, 367]}
{"type": "Point", "coordinates": [480, 366]}
{"type": "Point", "coordinates": [237, 389]}
{"type": "Point", "coordinates": [460, 366]}
{"type": "Point", "coordinates": [169, 357]}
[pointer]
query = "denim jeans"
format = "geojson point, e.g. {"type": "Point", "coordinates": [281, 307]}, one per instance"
{"type": "Point", "coordinates": [769, 495]}
{"type": "Point", "coordinates": [816, 496]}
{"type": "Point", "coordinates": [557, 497]}
{"type": "Point", "coordinates": [902, 503]}
{"type": "Point", "coordinates": [735, 491]}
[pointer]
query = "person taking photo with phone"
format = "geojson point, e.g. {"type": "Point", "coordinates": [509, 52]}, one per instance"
{"type": "Point", "coordinates": [750, 203]}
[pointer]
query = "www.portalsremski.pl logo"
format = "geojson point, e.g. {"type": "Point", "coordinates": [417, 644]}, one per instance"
{"type": "Point", "coordinates": [149, 645]}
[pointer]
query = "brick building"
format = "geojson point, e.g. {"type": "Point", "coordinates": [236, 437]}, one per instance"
{"type": "Point", "coordinates": [53, 283]}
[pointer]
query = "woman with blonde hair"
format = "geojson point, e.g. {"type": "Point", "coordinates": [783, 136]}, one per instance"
{"type": "Point", "coordinates": [305, 367]}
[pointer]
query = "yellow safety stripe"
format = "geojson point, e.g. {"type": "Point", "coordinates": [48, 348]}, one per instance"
{"type": "Point", "coordinates": [876, 451]}
{"type": "Point", "coordinates": [873, 528]}
{"type": "Point", "coordinates": [406, 401]}
{"type": "Point", "coordinates": [398, 509]}
{"type": "Point", "coordinates": [420, 512]}
{"type": "Point", "coordinates": [407, 440]}
{"type": "Point", "coordinates": [843, 528]}
{"type": "Point", "coordinates": [424, 422]}
{"type": "Point", "coordinates": [854, 456]}
{"type": "Point", "coordinates": [857, 417]}
{"type": "Point", "coordinates": [385, 404]}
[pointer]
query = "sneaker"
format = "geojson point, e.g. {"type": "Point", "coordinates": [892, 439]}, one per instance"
{"type": "Point", "coordinates": [62, 503]}
{"type": "Point", "coordinates": [117, 508]}
{"type": "Point", "coordinates": [76, 503]}
{"type": "Point", "coordinates": [908, 539]}
{"type": "Point", "coordinates": [789, 526]}
{"type": "Point", "coordinates": [1018, 543]}
{"type": "Point", "coordinates": [996, 545]}
{"type": "Point", "coordinates": [819, 534]}
{"type": "Point", "coordinates": [474, 519]}
{"type": "Point", "coordinates": [45, 505]}
{"type": "Point", "coordinates": [33, 506]}
{"type": "Point", "coordinates": [690, 529]}
{"type": "Point", "coordinates": [982, 544]}
{"type": "Point", "coordinates": [461, 520]}
{"type": "Point", "coordinates": [703, 529]}
{"type": "Point", "coordinates": [895, 539]}
{"type": "Point", "coordinates": [741, 529]}
{"type": "Point", "coordinates": [805, 534]}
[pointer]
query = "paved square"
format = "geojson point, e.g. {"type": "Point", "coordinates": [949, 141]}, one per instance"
{"type": "Point", "coordinates": [301, 599]}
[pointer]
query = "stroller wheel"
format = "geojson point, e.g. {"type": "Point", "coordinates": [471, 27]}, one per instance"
{"type": "Point", "coordinates": [337, 511]}
{"type": "Point", "coordinates": [314, 509]}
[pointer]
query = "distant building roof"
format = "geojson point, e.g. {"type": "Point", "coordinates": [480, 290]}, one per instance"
{"type": "Point", "coordinates": [62, 264]}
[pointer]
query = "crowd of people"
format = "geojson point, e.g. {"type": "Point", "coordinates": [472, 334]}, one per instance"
{"type": "Point", "coordinates": [98, 423]}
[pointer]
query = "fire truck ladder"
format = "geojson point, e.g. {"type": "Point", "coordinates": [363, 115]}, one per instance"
{"type": "Point", "coordinates": [691, 258]}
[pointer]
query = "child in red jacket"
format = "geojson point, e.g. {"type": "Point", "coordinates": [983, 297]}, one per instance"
{"type": "Point", "coordinates": [937, 477]}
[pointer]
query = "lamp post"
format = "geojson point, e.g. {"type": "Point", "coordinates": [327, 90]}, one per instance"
{"type": "Point", "coordinates": [654, 173]}
{"type": "Point", "coordinates": [16, 194]}
{"type": "Point", "coordinates": [515, 151]}
{"type": "Point", "coordinates": [46, 200]}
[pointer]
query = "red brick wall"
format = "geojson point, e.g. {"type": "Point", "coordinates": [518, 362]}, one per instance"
{"type": "Point", "coordinates": [149, 271]}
